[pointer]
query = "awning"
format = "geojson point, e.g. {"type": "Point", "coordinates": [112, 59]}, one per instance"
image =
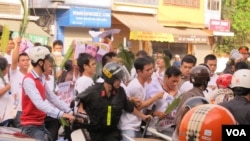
{"type": "Point", "coordinates": [32, 28]}
{"type": "Point", "coordinates": [146, 27]}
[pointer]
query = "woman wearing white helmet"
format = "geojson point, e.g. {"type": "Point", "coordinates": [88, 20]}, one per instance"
{"type": "Point", "coordinates": [240, 105]}
{"type": "Point", "coordinates": [37, 98]}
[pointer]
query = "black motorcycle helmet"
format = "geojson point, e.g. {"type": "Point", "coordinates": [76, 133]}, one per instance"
{"type": "Point", "coordinates": [113, 71]}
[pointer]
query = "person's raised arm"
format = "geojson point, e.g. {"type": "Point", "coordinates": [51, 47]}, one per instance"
{"type": "Point", "coordinates": [15, 53]}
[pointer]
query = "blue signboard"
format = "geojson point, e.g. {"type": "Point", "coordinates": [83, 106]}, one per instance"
{"type": "Point", "coordinates": [86, 17]}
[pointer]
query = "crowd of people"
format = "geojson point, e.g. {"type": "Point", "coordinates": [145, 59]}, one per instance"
{"type": "Point", "coordinates": [117, 101]}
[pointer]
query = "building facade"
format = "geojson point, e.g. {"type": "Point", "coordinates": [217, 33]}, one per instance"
{"type": "Point", "coordinates": [11, 13]}
{"type": "Point", "coordinates": [179, 25]}
{"type": "Point", "coordinates": [68, 20]}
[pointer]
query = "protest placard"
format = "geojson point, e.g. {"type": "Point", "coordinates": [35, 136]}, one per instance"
{"type": "Point", "coordinates": [65, 91]}
{"type": "Point", "coordinates": [96, 49]}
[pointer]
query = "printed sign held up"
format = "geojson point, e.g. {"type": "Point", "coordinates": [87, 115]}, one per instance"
{"type": "Point", "coordinates": [95, 49]}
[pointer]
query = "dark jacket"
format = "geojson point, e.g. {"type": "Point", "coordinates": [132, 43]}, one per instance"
{"type": "Point", "coordinates": [240, 109]}
{"type": "Point", "coordinates": [104, 112]}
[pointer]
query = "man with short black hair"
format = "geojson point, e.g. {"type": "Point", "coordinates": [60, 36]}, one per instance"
{"type": "Point", "coordinates": [18, 69]}
{"type": "Point", "coordinates": [172, 76]}
{"type": "Point", "coordinates": [57, 52]}
{"type": "Point", "coordinates": [37, 98]}
{"type": "Point", "coordinates": [136, 91]}
{"type": "Point", "coordinates": [105, 102]}
{"type": "Point", "coordinates": [199, 77]}
{"type": "Point", "coordinates": [211, 61]}
{"type": "Point", "coordinates": [187, 63]}
{"type": "Point", "coordinates": [244, 51]}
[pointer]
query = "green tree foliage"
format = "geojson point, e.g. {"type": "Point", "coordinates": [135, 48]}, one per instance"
{"type": "Point", "coordinates": [237, 12]}
{"type": "Point", "coordinates": [127, 57]}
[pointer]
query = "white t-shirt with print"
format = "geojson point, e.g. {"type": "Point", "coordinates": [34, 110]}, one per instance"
{"type": "Point", "coordinates": [161, 106]}
{"type": "Point", "coordinates": [129, 121]}
{"type": "Point", "coordinates": [16, 80]}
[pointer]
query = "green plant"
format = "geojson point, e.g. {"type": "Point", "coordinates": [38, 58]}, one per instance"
{"type": "Point", "coordinates": [67, 55]}
{"type": "Point", "coordinates": [5, 38]}
{"type": "Point", "coordinates": [126, 57]}
{"type": "Point", "coordinates": [25, 20]}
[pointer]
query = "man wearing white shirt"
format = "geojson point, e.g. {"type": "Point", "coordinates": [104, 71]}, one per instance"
{"type": "Point", "coordinates": [18, 69]}
{"type": "Point", "coordinates": [170, 86]}
{"type": "Point", "coordinates": [37, 98]}
{"type": "Point", "coordinates": [87, 68]}
{"type": "Point", "coordinates": [187, 63]}
{"type": "Point", "coordinates": [211, 61]}
{"type": "Point", "coordinates": [130, 123]}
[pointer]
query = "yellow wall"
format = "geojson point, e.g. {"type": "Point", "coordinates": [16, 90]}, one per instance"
{"type": "Point", "coordinates": [170, 15]}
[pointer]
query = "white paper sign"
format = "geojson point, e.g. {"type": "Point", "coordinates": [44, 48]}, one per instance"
{"type": "Point", "coordinates": [65, 92]}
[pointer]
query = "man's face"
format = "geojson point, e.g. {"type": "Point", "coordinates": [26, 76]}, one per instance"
{"type": "Point", "coordinates": [147, 72]}
{"type": "Point", "coordinates": [160, 61]}
{"type": "Point", "coordinates": [10, 46]}
{"type": "Point", "coordinates": [171, 82]}
{"type": "Point", "coordinates": [117, 83]}
{"type": "Point", "coordinates": [48, 67]}
{"type": "Point", "coordinates": [91, 67]}
{"type": "Point", "coordinates": [92, 50]}
{"type": "Point", "coordinates": [245, 55]}
{"type": "Point", "coordinates": [57, 48]}
{"type": "Point", "coordinates": [212, 64]}
{"type": "Point", "coordinates": [186, 68]}
{"type": "Point", "coordinates": [24, 62]}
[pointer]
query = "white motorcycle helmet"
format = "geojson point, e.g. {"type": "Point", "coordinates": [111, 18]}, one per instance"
{"type": "Point", "coordinates": [38, 52]}
{"type": "Point", "coordinates": [241, 79]}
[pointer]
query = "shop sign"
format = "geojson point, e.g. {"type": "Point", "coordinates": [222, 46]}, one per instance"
{"type": "Point", "coordinates": [219, 25]}
{"type": "Point", "coordinates": [190, 39]}
{"type": "Point", "coordinates": [151, 36]}
{"type": "Point", "coordinates": [90, 17]}
{"type": "Point", "coordinates": [139, 2]}
{"type": "Point", "coordinates": [34, 38]}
